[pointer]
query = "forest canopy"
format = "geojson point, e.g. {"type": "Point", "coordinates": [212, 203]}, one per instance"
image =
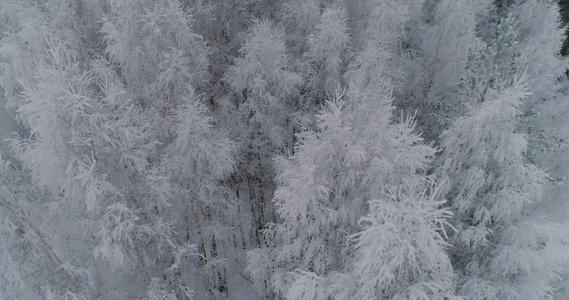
{"type": "Point", "coordinates": [295, 149]}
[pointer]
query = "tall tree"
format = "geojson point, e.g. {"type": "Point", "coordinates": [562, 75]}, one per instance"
{"type": "Point", "coordinates": [401, 251]}
{"type": "Point", "coordinates": [209, 223]}
{"type": "Point", "coordinates": [326, 59]}
{"type": "Point", "coordinates": [440, 76]}
{"type": "Point", "coordinates": [151, 137]}
{"type": "Point", "coordinates": [266, 95]}
{"type": "Point", "coordinates": [163, 64]}
{"type": "Point", "coordinates": [357, 162]}
{"type": "Point", "coordinates": [498, 250]}
{"type": "Point", "coordinates": [299, 18]}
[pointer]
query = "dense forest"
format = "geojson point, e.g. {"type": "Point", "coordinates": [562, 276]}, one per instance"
{"type": "Point", "coordinates": [294, 149]}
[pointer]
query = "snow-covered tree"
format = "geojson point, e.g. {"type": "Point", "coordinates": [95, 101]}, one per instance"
{"type": "Point", "coordinates": [299, 18]}
{"type": "Point", "coordinates": [539, 40]}
{"type": "Point", "coordinates": [73, 128]}
{"type": "Point", "coordinates": [266, 86]}
{"type": "Point", "coordinates": [267, 97]}
{"type": "Point", "coordinates": [324, 190]}
{"type": "Point", "coordinates": [93, 146]}
{"type": "Point", "coordinates": [24, 28]}
{"type": "Point", "coordinates": [498, 250]}
{"type": "Point", "coordinates": [512, 33]}
{"type": "Point", "coordinates": [359, 162]}
{"type": "Point", "coordinates": [401, 251]}
{"type": "Point", "coordinates": [439, 78]}
{"type": "Point", "coordinates": [156, 49]}
{"type": "Point", "coordinates": [164, 65]}
{"type": "Point", "coordinates": [34, 259]}
{"type": "Point", "coordinates": [196, 163]}
{"type": "Point", "coordinates": [150, 137]}
{"type": "Point", "coordinates": [327, 55]}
